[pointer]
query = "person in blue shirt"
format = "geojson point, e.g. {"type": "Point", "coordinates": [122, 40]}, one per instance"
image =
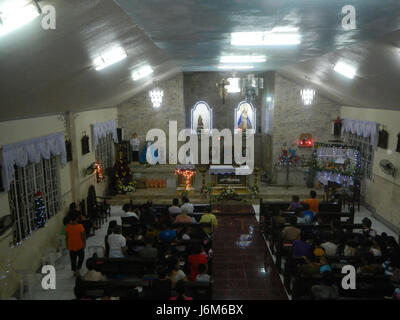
{"type": "Point", "coordinates": [307, 216]}
{"type": "Point", "coordinates": [168, 234]}
{"type": "Point", "coordinates": [324, 265]}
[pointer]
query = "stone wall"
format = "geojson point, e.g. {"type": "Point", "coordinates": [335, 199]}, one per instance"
{"type": "Point", "coordinates": [203, 86]}
{"type": "Point", "coordinates": [138, 115]}
{"type": "Point", "coordinates": [292, 118]}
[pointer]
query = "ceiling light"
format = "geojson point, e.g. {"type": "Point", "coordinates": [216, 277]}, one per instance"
{"type": "Point", "coordinates": [276, 37]}
{"type": "Point", "coordinates": [142, 72]}
{"type": "Point", "coordinates": [242, 59]}
{"type": "Point", "coordinates": [269, 99]}
{"type": "Point", "coordinates": [345, 70]}
{"type": "Point", "coordinates": [156, 96]}
{"type": "Point", "coordinates": [231, 67]}
{"type": "Point", "coordinates": [109, 58]}
{"type": "Point", "coordinates": [307, 95]}
{"type": "Point", "coordinates": [15, 15]}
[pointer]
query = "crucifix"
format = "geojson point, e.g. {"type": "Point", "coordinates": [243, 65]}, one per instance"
{"type": "Point", "coordinates": [223, 92]}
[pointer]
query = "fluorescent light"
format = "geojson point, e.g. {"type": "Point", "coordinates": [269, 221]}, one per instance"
{"type": "Point", "coordinates": [345, 70]}
{"type": "Point", "coordinates": [276, 37]}
{"type": "Point", "coordinates": [15, 15]}
{"type": "Point", "coordinates": [242, 59]}
{"type": "Point", "coordinates": [269, 99]}
{"type": "Point", "coordinates": [142, 72]}
{"type": "Point", "coordinates": [109, 58]}
{"type": "Point", "coordinates": [231, 67]}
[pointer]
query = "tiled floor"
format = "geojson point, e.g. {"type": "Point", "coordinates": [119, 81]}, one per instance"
{"type": "Point", "coordinates": [242, 267]}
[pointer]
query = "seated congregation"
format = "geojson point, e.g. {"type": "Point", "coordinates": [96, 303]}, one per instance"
{"type": "Point", "coordinates": [311, 242]}
{"type": "Point", "coordinates": [157, 253]}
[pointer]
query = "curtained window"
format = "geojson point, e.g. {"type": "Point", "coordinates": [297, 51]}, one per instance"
{"type": "Point", "coordinates": [105, 152]}
{"type": "Point", "coordinates": [34, 177]}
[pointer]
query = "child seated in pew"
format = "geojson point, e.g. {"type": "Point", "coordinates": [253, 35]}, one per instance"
{"type": "Point", "coordinates": [329, 246]}
{"type": "Point", "coordinates": [301, 247]}
{"type": "Point", "coordinates": [291, 233]}
{"type": "Point", "coordinates": [202, 276]}
{"type": "Point", "coordinates": [304, 214]}
{"type": "Point", "coordinates": [318, 250]}
{"type": "Point", "coordinates": [183, 234]}
{"type": "Point", "coordinates": [294, 204]}
{"type": "Point", "coordinates": [175, 272]}
{"type": "Point", "coordinates": [315, 265]}
{"type": "Point", "coordinates": [92, 274]}
{"type": "Point", "coordinates": [117, 243]}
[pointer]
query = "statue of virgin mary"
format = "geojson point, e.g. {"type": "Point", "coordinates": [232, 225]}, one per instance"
{"type": "Point", "coordinates": [244, 122]}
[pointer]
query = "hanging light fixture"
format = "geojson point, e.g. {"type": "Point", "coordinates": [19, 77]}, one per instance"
{"type": "Point", "coordinates": [156, 96]}
{"type": "Point", "coordinates": [307, 95]}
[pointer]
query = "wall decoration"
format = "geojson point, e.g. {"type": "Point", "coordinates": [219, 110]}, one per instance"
{"type": "Point", "coordinates": [201, 117]}
{"type": "Point", "coordinates": [245, 117]}
{"type": "Point", "coordinates": [68, 148]}
{"type": "Point", "coordinates": [223, 91]}
{"type": "Point", "coordinates": [337, 163]}
{"type": "Point", "coordinates": [98, 171]}
{"type": "Point", "coordinates": [337, 127]}
{"type": "Point", "coordinates": [398, 143]}
{"type": "Point", "coordinates": [383, 139]}
{"type": "Point", "coordinates": [40, 211]}
{"type": "Point", "coordinates": [306, 140]}
{"type": "Point", "coordinates": [85, 145]}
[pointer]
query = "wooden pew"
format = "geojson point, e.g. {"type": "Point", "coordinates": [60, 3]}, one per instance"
{"type": "Point", "coordinates": [280, 244]}
{"type": "Point", "coordinates": [127, 289]}
{"type": "Point", "coordinates": [125, 266]}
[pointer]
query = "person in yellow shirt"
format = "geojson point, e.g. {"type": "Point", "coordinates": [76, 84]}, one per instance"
{"type": "Point", "coordinates": [208, 217]}
{"type": "Point", "coordinates": [313, 202]}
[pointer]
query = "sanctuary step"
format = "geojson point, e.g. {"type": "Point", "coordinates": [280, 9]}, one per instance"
{"type": "Point", "coordinates": [165, 195]}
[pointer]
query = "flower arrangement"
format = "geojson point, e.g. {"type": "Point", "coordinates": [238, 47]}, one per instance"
{"type": "Point", "coordinates": [227, 193]}
{"type": "Point", "coordinates": [255, 190]}
{"type": "Point", "coordinates": [127, 187]}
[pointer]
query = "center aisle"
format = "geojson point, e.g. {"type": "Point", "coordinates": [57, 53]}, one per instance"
{"type": "Point", "coordinates": [242, 267]}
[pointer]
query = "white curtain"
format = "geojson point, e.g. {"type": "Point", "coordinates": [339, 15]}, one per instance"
{"type": "Point", "coordinates": [100, 130]}
{"type": "Point", "coordinates": [31, 151]}
{"type": "Point", "coordinates": [362, 128]}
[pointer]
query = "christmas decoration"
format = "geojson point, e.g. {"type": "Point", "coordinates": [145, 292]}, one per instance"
{"type": "Point", "coordinates": [40, 211]}
{"type": "Point", "coordinates": [337, 163]}
{"type": "Point", "coordinates": [98, 171]}
{"type": "Point", "coordinates": [123, 175]}
{"type": "Point", "coordinates": [188, 174]}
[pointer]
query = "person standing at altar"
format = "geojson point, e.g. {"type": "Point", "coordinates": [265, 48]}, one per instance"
{"type": "Point", "coordinates": [135, 143]}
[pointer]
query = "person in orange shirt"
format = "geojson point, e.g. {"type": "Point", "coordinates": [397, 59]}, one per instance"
{"type": "Point", "coordinates": [76, 242]}
{"type": "Point", "coordinates": [312, 202]}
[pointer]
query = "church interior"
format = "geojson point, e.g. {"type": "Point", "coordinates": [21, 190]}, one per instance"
{"type": "Point", "coordinates": [199, 150]}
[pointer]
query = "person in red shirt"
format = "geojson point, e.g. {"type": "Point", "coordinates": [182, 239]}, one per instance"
{"type": "Point", "coordinates": [76, 242]}
{"type": "Point", "coordinates": [195, 259]}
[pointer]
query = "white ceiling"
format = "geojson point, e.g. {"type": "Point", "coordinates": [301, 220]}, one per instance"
{"type": "Point", "coordinates": [47, 72]}
{"type": "Point", "coordinates": [43, 72]}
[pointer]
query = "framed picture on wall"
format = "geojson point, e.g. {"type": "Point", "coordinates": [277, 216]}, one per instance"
{"type": "Point", "coordinates": [68, 148]}
{"type": "Point", "coordinates": [1, 180]}
{"type": "Point", "coordinates": [85, 145]}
